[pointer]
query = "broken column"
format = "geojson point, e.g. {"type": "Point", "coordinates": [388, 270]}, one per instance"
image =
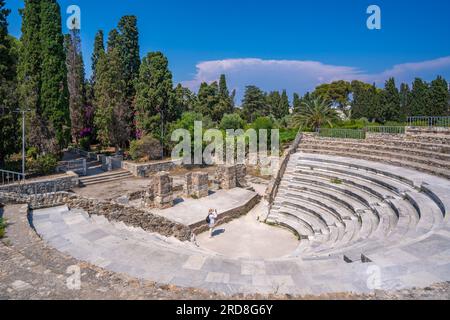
{"type": "Point", "coordinates": [226, 177]}
{"type": "Point", "coordinates": [196, 185]}
{"type": "Point", "coordinates": [241, 174]}
{"type": "Point", "coordinates": [163, 189]}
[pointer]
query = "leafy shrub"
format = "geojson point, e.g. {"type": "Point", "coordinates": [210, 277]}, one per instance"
{"type": "Point", "coordinates": [263, 123]}
{"type": "Point", "coordinates": [85, 143]}
{"type": "Point", "coordinates": [232, 121]}
{"type": "Point", "coordinates": [43, 164]}
{"type": "Point", "coordinates": [147, 148]}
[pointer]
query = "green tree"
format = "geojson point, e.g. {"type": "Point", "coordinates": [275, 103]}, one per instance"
{"type": "Point", "coordinates": [316, 113]}
{"type": "Point", "coordinates": [208, 101]}
{"type": "Point", "coordinates": [439, 97]}
{"type": "Point", "coordinates": [274, 103]}
{"type": "Point", "coordinates": [154, 95]}
{"type": "Point", "coordinates": [99, 49]}
{"type": "Point", "coordinates": [420, 98]}
{"type": "Point", "coordinates": [111, 111]}
{"type": "Point", "coordinates": [284, 107]}
{"type": "Point", "coordinates": [129, 50]}
{"type": "Point", "coordinates": [232, 121]}
{"type": "Point", "coordinates": [54, 93]}
{"type": "Point", "coordinates": [390, 102]}
{"type": "Point", "coordinates": [254, 103]}
{"type": "Point", "coordinates": [296, 103]}
{"type": "Point", "coordinates": [337, 92]}
{"type": "Point", "coordinates": [360, 104]}
{"type": "Point", "coordinates": [184, 99]}
{"type": "Point", "coordinates": [75, 83]}
{"type": "Point", "coordinates": [114, 41]}
{"type": "Point", "coordinates": [404, 101]}
{"type": "Point", "coordinates": [8, 86]}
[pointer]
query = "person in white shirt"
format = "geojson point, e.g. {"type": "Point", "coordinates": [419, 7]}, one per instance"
{"type": "Point", "coordinates": [212, 217]}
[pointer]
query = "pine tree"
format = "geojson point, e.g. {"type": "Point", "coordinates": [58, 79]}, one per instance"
{"type": "Point", "coordinates": [8, 84]}
{"type": "Point", "coordinates": [154, 95]}
{"type": "Point", "coordinates": [54, 93]}
{"type": "Point", "coordinates": [254, 103]}
{"type": "Point", "coordinates": [439, 97]}
{"type": "Point", "coordinates": [111, 112]}
{"type": "Point", "coordinates": [76, 83]}
{"type": "Point", "coordinates": [374, 103]}
{"type": "Point", "coordinates": [420, 97]}
{"type": "Point", "coordinates": [99, 49]}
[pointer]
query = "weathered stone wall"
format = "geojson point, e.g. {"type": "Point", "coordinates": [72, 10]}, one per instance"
{"type": "Point", "coordinates": [272, 188]}
{"type": "Point", "coordinates": [241, 174]}
{"type": "Point", "coordinates": [196, 185]}
{"type": "Point", "coordinates": [163, 190]}
{"type": "Point", "coordinates": [227, 216]}
{"type": "Point", "coordinates": [132, 217]}
{"type": "Point", "coordinates": [226, 177]}
{"type": "Point", "coordinates": [144, 170]}
{"type": "Point", "coordinates": [60, 183]}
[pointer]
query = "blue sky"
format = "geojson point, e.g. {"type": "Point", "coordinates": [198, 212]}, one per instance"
{"type": "Point", "coordinates": [283, 44]}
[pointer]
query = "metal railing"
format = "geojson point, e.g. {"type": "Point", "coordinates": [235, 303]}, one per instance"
{"type": "Point", "coordinates": [9, 177]}
{"type": "Point", "coordinates": [386, 130]}
{"type": "Point", "coordinates": [342, 133]}
{"type": "Point", "coordinates": [429, 122]}
{"type": "Point", "coordinates": [77, 166]}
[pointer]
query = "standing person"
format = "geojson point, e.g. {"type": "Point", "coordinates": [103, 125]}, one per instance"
{"type": "Point", "coordinates": [212, 217]}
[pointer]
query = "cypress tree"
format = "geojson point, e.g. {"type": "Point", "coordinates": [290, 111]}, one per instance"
{"type": "Point", "coordinates": [75, 82]}
{"type": "Point", "coordinates": [8, 84]}
{"type": "Point", "coordinates": [129, 50]}
{"type": "Point", "coordinates": [404, 101]}
{"type": "Point", "coordinates": [111, 112]}
{"type": "Point", "coordinates": [390, 108]}
{"type": "Point", "coordinates": [274, 103]}
{"type": "Point", "coordinates": [296, 103]}
{"type": "Point", "coordinates": [284, 107]}
{"type": "Point", "coordinates": [419, 99]}
{"type": "Point", "coordinates": [114, 41]}
{"type": "Point", "coordinates": [54, 93]}
{"type": "Point", "coordinates": [99, 49]}
{"type": "Point", "coordinates": [254, 103]}
{"type": "Point", "coordinates": [154, 95]}
{"type": "Point", "coordinates": [439, 97]}
{"type": "Point", "coordinates": [208, 100]}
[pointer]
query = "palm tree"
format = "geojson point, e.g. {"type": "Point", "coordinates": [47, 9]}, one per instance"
{"type": "Point", "coordinates": [315, 113]}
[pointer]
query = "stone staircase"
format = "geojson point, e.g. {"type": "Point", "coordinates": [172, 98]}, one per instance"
{"type": "Point", "coordinates": [433, 158]}
{"type": "Point", "coordinates": [105, 177]}
{"type": "Point", "coordinates": [356, 209]}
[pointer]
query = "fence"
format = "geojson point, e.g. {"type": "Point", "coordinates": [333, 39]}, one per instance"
{"type": "Point", "coordinates": [429, 122]}
{"type": "Point", "coordinates": [386, 130]}
{"type": "Point", "coordinates": [8, 177]}
{"type": "Point", "coordinates": [77, 166]}
{"type": "Point", "coordinates": [342, 133]}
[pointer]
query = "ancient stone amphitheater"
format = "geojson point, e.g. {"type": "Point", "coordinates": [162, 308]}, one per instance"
{"type": "Point", "coordinates": [370, 215]}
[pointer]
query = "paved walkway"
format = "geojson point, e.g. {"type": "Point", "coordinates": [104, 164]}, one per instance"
{"type": "Point", "coordinates": [248, 237]}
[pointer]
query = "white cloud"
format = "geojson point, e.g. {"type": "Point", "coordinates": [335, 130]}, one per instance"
{"type": "Point", "coordinates": [302, 76]}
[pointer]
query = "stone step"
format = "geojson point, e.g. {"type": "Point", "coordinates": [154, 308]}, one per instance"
{"type": "Point", "coordinates": [425, 160]}
{"type": "Point", "coordinates": [438, 152]}
{"type": "Point", "coordinates": [396, 162]}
